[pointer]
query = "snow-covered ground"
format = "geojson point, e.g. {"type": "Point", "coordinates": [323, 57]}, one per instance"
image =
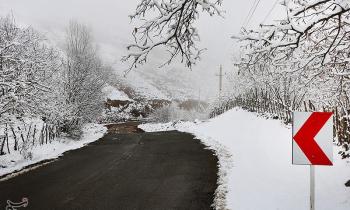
{"type": "Point", "coordinates": [256, 168]}
{"type": "Point", "coordinates": [113, 93]}
{"type": "Point", "coordinates": [15, 161]}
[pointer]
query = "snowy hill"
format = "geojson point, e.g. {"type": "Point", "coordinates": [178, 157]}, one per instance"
{"type": "Point", "coordinates": [158, 84]}
{"type": "Point", "coordinates": [256, 164]}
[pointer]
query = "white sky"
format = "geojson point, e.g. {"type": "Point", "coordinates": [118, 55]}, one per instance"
{"type": "Point", "coordinates": [112, 30]}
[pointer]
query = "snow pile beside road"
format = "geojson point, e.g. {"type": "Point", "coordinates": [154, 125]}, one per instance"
{"type": "Point", "coordinates": [14, 162]}
{"type": "Point", "coordinates": [256, 166]}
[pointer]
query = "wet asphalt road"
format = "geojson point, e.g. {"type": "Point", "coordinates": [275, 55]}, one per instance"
{"type": "Point", "coordinates": [164, 170]}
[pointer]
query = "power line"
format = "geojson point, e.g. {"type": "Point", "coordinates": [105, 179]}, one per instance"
{"type": "Point", "coordinates": [268, 14]}
{"type": "Point", "coordinates": [256, 6]}
{"type": "Point", "coordinates": [250, 10]}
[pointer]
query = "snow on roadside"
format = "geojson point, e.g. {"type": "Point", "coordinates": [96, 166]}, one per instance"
{"type": "Point", "coordinates": [15, 162]}
{"type": "Point", "coordinates": [256, 168]}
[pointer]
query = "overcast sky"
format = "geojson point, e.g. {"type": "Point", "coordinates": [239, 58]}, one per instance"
{"type": "Point", "coordinates": [111, 26]}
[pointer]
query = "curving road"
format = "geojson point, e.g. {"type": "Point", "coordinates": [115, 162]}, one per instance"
{"type": "Point", "coordinates": [164, 170]}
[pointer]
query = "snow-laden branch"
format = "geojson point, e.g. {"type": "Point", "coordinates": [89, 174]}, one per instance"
{"type": "Point", "coordinates": [305, 55]}
{"type": "Point", "coordinates": [315, 29]}
{"type": "Point", "coordinates": [172, 27]}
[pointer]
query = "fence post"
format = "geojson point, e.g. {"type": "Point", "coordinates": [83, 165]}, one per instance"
{"type": "Point", "coordinates": [15, 138]}
{"type": "Point", "coordinates": [7, 138]}
{"type": "Point", "coordinates": [46, 134]}
{"type": "Point", "coordinates": [2, 146]}
{"type": "Point", "coordinates": [34, 132]}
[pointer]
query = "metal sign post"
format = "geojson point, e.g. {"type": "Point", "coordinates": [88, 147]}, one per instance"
{"type": "Point", "coordinates": [312, 187]}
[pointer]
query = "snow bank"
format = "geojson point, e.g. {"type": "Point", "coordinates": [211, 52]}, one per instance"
{"type": "Point", "coordinates": [114, 94]}
{"type": "Point", "coordinates": [14, 161]}
{"type": "Point", "coordinates": [256, 166]}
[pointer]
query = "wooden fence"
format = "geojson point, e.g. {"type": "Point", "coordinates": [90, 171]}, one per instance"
{"type": "Point", "coordinates": [16, 138]}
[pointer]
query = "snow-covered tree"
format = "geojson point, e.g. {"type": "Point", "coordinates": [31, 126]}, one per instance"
{"type": "Point", "coordinates": [320, 24]}
{"type": "Point", "coordinates": [83, 78]}
{"type": "Point", "coordinates": [45, 90]}
{"type": "Point", "coordinates": [171, 24]}
{"type": "Point", "coordinates": [303, 58]}
{"type": "Point", "coordinates": [26, 65]}
{"type": "Point", "coordinates": [311, 43]}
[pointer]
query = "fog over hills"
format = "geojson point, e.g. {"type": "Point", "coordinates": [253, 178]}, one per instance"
{"type": "Point", "coordinates": [111, 26]}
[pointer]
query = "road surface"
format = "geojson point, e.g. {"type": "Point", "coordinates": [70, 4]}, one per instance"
{"type": "Point", "coordinates": [164, 170]}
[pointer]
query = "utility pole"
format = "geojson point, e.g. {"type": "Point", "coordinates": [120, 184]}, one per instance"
{"type": "Point", "coordinates": [220, 75]}
{"type": "Point", "coordinates": [199, 94]}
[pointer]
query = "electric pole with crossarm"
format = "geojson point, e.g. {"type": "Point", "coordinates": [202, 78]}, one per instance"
{"type": "Point", "coordinates": [220, 75]}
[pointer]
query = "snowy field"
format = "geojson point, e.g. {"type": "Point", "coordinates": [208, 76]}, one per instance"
{"type": "Point", "coordinates": [256, 168]}
{"type": "Point", "coordinates": [15, 161]}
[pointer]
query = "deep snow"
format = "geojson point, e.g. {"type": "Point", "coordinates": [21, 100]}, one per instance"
{"type": "Point", "coordinates": [256, 168]}
{"type": "Point", "coordinates": [15, 161]}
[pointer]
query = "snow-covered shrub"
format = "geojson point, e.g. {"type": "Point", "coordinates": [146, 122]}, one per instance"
{"type": "Point", "coordinates": [163, 114]}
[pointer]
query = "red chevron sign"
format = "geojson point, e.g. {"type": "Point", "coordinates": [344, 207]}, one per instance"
{"type": "Point", "coordinates": [312, 138]}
